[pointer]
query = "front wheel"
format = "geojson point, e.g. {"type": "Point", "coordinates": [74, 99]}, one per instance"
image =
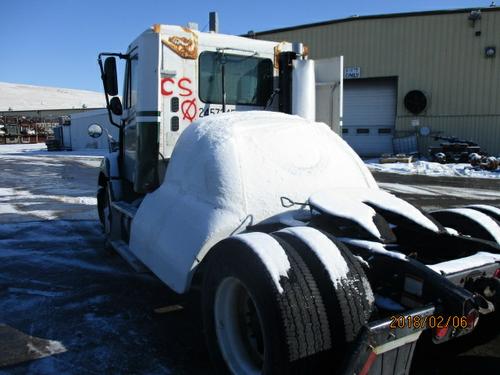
{"type": "Point", "coordinates": [103, 209]}
{"type": "Point", "coordinates": [257, 322]}
{"type": "Point", "coordinates": [101, 204]}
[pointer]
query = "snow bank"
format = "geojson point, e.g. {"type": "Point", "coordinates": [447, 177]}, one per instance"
{"type": "Point", "coordinates": [270, 253]}
{"type": "Point", "coordinates": [477, 260]}
{"type": "Point", "coordinates": [327, 252]}
{"type": "Point", "coordinates": [229, 171]}
{"type": "Point", "coordinates": [432, 169]}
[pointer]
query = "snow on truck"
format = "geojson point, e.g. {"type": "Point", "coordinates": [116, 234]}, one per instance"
{"type": "Point", "coordinates": [304, 264]}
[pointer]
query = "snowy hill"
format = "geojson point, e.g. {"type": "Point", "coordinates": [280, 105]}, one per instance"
{"type": "Point", "coordinates": [21, 97]}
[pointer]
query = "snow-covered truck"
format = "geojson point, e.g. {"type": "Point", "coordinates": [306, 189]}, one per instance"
{"type": "Point", "coordinates": [303, 263]}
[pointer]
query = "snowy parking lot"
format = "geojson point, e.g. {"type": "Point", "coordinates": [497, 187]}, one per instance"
{"type": "Point", "coordinates": [59, 283]}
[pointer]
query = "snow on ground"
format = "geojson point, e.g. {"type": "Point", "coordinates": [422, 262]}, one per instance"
{"type": "Point", "coordinates": [427, 168]}
{"type": "Point", "coordinates": [39, 185]}
{"type": "Point", "coordinates": [22, 148]}
{"type": "Point", "coordinates": [27, 97]}
{"type": "Point", "coordinates": [40, 149]}
{"type": "Point", "coordinates": [58, 282]}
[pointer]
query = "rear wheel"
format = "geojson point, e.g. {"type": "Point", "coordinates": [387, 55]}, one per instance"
{"type": "Point", "coordinates": [348, 300]}
{"type": "Point", "coordinates": [241, 337]}
{"type": "Point", "coordinates": [253, 328]}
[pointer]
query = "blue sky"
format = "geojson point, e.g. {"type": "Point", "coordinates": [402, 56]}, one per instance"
{"type": "Point", "coordinates": [56, 42]}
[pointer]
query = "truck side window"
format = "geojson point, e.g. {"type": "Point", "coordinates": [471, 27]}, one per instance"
{"type": "Point", "coordinates": [130, 94]}
{"type": "Point", "coordinates": [248, 79]}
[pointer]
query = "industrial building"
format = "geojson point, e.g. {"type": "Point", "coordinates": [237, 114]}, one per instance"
{"type": "Point", "coordinates": [29, 113]}
{"type": "Point", "coordinates": [412, 75]}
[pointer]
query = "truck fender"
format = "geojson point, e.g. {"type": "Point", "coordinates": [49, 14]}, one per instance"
{"type": "Point", "coordinates": [109, 175]}
{"type": "Point", "coordinates": [264, 247]}
{"type": "Point", "coordinates": [471, 222]}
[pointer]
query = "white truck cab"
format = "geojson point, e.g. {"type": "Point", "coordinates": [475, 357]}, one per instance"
{"type": "Point", "coordinates": [175, 75]}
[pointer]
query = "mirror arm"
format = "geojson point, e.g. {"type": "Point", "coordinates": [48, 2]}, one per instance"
{"type": "Point", "coordinates": [101, 67]}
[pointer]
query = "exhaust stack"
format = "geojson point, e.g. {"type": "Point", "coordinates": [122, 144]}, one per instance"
{"type": "Point", "coordinates": [213, 22]}
{"type": "Point", "coordinates": [303, 84]}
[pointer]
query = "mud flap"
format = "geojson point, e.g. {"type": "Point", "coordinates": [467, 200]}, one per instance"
{"type": "Point", "coordinates": [382, 350]}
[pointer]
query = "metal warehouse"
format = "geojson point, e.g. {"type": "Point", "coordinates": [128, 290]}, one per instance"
{"type": "Point", "coordinates": [428, 73]}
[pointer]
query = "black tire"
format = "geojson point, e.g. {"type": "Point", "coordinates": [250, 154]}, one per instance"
{"type": "Point", "coordinates": [102, 205]}
{"type": "Point", "coordinates": [349, 303]}
{"type": "Point", "coordinates": [294, 325]}
{"type": "Point", "coordinates": [102, 202]}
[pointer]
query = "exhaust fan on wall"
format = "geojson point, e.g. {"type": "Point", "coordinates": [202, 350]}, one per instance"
{"type": "Point", "coordinates": [415, 101]}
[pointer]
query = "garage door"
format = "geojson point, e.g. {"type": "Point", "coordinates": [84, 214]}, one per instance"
{"type": "Point", "coordinates": [369, 115]}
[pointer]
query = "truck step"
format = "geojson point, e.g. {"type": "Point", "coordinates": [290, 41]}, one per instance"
{"type": "Point", "coordinates": [125, 208]}
{"type": "Point", "coordinates": [122, 248]}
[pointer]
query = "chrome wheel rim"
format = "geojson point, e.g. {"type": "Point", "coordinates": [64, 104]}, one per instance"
{"type": "Point", "coordinates": [239, 328]}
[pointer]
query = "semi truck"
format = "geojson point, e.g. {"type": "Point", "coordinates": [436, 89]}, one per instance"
{"type": "Point", "coordinates": [223, 182]}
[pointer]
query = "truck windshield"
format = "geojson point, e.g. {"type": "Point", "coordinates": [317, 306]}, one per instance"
{"type": "Point", "coordinates": [248, 80]}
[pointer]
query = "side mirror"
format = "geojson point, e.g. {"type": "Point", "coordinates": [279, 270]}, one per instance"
{"type": "Point", "coordinates": [95, 130]}
{"type": "Point", "coordinates": [116, 106]}
{"type": "Point", "coordinates": [110, 80]}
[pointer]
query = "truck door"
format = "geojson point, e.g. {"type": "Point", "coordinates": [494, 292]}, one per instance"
{"type": "Point", "coordinates": [129, 118]}
{"type": "Point", "coordinates": [329, 92]}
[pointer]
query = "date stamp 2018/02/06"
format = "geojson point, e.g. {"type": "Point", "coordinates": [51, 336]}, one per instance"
{"type": "Point", "coordinates": [431, 321]}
